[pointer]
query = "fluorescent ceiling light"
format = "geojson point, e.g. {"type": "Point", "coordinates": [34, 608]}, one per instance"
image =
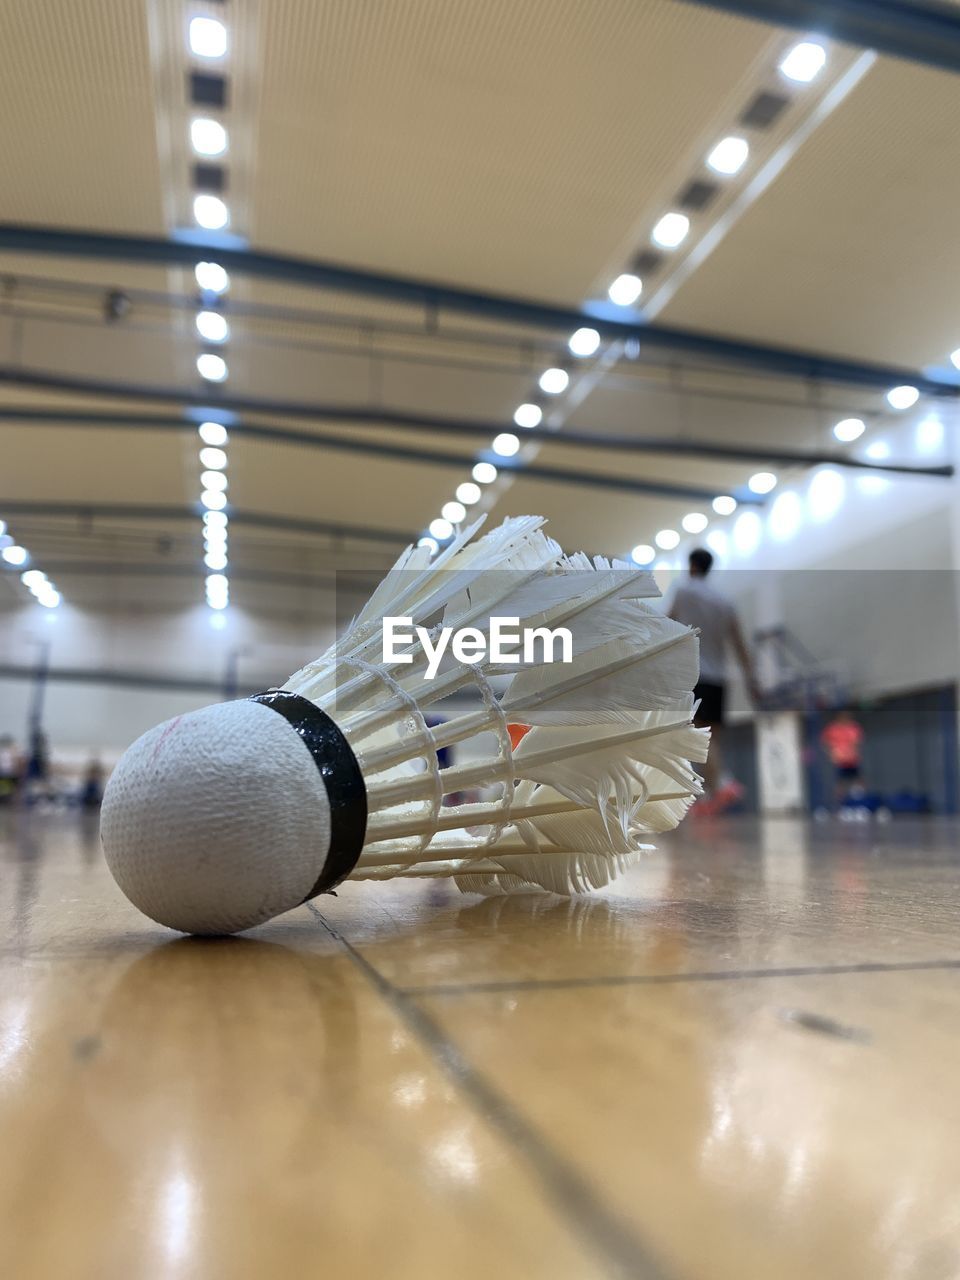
{"type": "Point", "coordinates": [825, 494]}
{"type": "Point", "coordinates": [212, 433]}
{"type": "Point", "coordinates": [671, 230]}
{"type": "Point", "coordinates": [212, 326]}
{"type": "Point", "coordinates": [786, 515]}
{"type": "Point", "coordinates": [208, 137]}
{"type": "Point", "coordinates": [929, 434]}
{"type": "Point", "coordinates": [528, 415]}
{"type": "Point", "coordinates": [208, 37]}
{"type": "Point", "coordinates": [625, 290]}
{"type": "Point", "coordinates": [849, 429]}
{"type": "Point", "coordinates": [553, 381]}
{"type": "Point", "coordinates": [746, 532]}
{"type": "Point", "coordinates": [584, 342]}
{"type": "Point", "coordinates": [211, 367]}
{"type": "Point", "coordinates": [804, 61]}
{"type": "Point", "coordinates": [878, 451]}
{"type": "Point", "coordinates": [210, 212]}
{"type": "Point", "coordinates": [903, 397]}
{"type": "Point", "coordinates": [213, 459]}
{"type": "Point", "coordinates": [718, 542]}
{"type": "Point", "coordinates": [729, 156]}
{"type": "Point", "coordinates": [724, 505]}
{"type": "Point", "coordinates": [211, 277]}
{"type": "Point", "coordinates": [694, 522]}
{"type": "Point", "coordinates": [215, 480]}
{"type": "Point", "coordinates": [762, 482]}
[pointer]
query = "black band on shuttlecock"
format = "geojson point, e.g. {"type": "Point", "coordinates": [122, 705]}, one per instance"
{"type": "Point", "coordinates": [346, 791]}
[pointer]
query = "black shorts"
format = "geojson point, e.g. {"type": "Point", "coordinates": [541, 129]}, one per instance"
{"type": "Point", "coordinates": [847, 772]}
{"type": "Point", "coordinates": [711, 698]}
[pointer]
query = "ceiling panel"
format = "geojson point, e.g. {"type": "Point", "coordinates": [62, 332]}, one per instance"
{"type": "Point", "coordinates": [854, 249]}
{"type": "Point", "coordinates": [522, 147]}
{"type": "Point", "coordinates": [509, 146]}
{"type": "Point", "coordinates": [78, 145]}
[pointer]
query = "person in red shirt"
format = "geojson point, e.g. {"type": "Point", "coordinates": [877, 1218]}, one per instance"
{"type": "Point", "coordinates": [843, 741]}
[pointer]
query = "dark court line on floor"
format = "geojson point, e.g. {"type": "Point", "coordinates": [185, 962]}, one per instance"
{"type": "Point", "coordinates": [661, 979]}
{"type": "Point", "coordinates": [626, 1255]}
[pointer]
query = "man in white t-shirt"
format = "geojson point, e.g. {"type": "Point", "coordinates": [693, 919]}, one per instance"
{"type": "Point", "coordinates": [697, 603]}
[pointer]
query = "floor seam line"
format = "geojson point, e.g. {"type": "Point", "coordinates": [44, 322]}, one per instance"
{"type": "Point", "coordinates": [667, 979]}
{"type": "Point", "coordinates": [567, 1192]}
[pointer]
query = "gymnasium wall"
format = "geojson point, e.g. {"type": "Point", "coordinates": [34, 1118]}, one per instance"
{"type": "Point", "coordinates": [125, 672]}
{"type": "Point", "coordinates": [870, 592]}
{"type": "Point", "coordinates": [872, 595]}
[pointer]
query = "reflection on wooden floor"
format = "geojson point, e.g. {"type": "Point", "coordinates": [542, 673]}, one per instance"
{"type": "Point", "coordinates": [742, 1062]}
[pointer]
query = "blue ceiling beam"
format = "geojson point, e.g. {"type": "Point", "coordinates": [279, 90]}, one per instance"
{"type": "Point", "coordinates": [163, 514]}
{"type": "Point", "coordinates": [379, 415]}
{"type": "Point", "coordinates": [436, 298]}
{"type": "Point", "coordinates": [927, 33]}
{"type": "Point", "coordinates": [375, 448]}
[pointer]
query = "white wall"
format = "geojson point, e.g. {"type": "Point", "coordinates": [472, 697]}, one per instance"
{"type": "Point", "coordinates": [91, 720]}
{"type": "Point", "coordinates": [866, 579]}
{"type": "Point", "coordinates": [84, 717]}
{"type": "Point", "coordinates": [860, 567]}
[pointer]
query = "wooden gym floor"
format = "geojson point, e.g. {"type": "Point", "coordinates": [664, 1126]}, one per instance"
{"type": "Point", "coordinates": [744, 1062]}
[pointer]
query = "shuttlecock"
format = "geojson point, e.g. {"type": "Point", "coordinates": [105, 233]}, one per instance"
{"type": "Point", "coordinates": [222, 818]}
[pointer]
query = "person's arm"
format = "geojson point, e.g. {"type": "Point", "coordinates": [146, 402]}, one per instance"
{"type": "Point", "coordinates": [744, 657]}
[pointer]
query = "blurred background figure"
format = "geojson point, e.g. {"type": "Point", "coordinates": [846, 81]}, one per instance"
{"type": "Point", "coordinates": [843, 742]}
{"type": "Point", "coordinates": [9, 769]}
{"type": "Point", "coordinates": [37, 772]}
{"type": "Point", "coordinates": [697, 603]}
{"type": "Point", "coordinates": [91, 789]}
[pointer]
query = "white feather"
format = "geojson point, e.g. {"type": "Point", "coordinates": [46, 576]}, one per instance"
{"type": "Point", "coordinates": [610, 730]}
{"type": "Point", "coordinates": [608, 683]}
{"type": "Point", "coordinates": [600, 775]}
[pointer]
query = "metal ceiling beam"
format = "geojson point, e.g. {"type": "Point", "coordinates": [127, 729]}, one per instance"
{"type": "Point", "coordinates": [531, 471]}
{"type": "Point", "coordinates": [272, 577]}
{"type": "Point", "coordinates": [913, 30]}
{"type": "Point", "coordinates": [123, 679]}
{"type": "Point", "coordinates": [127, 511]}
{"type": "Point", "coordinates": [436, 297]}
{"type": "Point", "coordinates": [378, 416]}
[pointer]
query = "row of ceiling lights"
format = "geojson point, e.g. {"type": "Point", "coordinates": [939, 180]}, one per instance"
{"type": "Point", "coordinates": [727, 157]}
{"type": "Point", "coordinates": [824, 497]}
{"type": "Point", "coordinates": [802, 63]}
{"type": "Point", "coordinates": [213, 460]}
{"type": "Point", "coordinates": [208, 40]}
{"type": "Point", "coordinates": [35, 580]}
{"type": "Point", "coordinates": [763, 482]}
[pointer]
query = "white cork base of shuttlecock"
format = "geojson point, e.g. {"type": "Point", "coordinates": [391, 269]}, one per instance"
{"type": "Point", "coordinates": [217, 820]}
